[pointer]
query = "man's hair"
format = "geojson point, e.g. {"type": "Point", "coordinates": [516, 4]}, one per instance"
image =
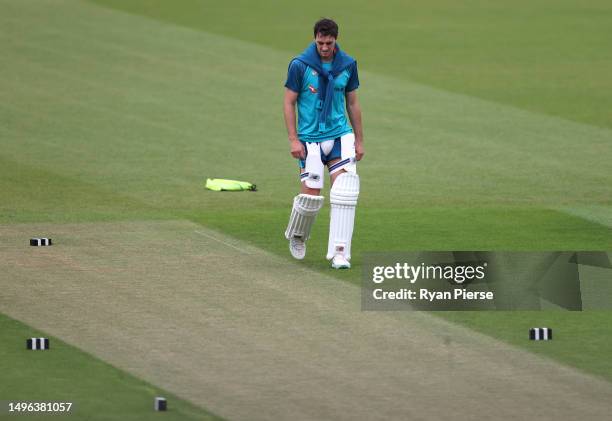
{"type": "Point", "coordinates": [326, 27]}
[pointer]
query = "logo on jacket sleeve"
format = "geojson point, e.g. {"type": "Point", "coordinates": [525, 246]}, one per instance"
{"type": "Point", "coordinates": [312, 89]}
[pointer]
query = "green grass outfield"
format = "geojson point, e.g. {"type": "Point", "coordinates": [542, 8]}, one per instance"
{"type": "Point", "coordinates": [66, 374]}
{"type": "Point", "coordinates": [487, 127]}
{"type": "Point", "coordinates": [547, 56]}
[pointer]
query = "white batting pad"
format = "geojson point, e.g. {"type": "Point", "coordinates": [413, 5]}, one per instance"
{"type": "Point", "coordinates": [305, 209]}
{"type": "Point", "coordinates": [343, 198]}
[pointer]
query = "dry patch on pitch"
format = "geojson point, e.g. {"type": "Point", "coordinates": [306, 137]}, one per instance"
{"type": "Point", "coordinates": [250, 335]}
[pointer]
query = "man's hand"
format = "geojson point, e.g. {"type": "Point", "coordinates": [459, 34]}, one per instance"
{"type": "Point", "coordinates": [297, 149]}
{"type": "Point", "coordinates": [354, 112]}
{"type": "Point", "coordinates": [359, 152]}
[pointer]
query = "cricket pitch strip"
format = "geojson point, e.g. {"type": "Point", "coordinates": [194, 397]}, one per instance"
{"type": "Point", "coordinates": [250, 335]}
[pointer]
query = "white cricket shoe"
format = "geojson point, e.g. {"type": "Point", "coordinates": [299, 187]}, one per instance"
{"type": "Point", "coordinates": [340, 262]}
{"type": "Point", "coordinates": [297, 247]}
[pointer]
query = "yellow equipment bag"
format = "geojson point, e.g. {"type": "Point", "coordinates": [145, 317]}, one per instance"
{"type": "Point", "coordinates": [219, 184]}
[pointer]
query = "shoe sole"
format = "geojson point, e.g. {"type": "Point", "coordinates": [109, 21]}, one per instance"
{"type": "Point", "coordinates": [341, 266]}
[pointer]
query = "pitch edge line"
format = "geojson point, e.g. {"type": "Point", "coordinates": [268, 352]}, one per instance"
{"type": "Point", "coordinates": [221, 241]}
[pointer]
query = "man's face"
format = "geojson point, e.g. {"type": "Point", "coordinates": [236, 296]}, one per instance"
{"type": "Point", "coordinates": [326, 44]}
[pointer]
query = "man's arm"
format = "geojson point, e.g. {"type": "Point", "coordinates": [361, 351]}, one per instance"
{"type": "Point", "coordinates": [295, 146]}
{"type": "Point", "coordinates": [354, 112]}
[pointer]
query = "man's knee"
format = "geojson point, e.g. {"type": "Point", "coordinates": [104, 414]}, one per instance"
{"type": "Point", "coordinates": [307, 190]}
{"type": "Point", "coordinates": [336, 174]}
{"type": "Point", "coordinates": [341, 166]}
{"type": "Point", "coordinates": [310, 179]}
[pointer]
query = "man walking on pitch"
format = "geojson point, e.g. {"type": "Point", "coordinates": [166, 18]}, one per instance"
{"type": "Point", "coordinates": [322, 82]}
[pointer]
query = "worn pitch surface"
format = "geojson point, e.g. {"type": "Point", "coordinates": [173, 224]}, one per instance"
{"type": "Point", "coordinates": [249, 335]}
